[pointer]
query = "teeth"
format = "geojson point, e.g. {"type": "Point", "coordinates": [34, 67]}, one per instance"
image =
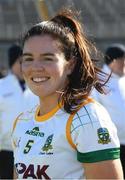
{"type": "Point", "coordinates": [40, 79]}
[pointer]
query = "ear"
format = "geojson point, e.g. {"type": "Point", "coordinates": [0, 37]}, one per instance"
{"type": "Point", "coordinates": [71, 65]}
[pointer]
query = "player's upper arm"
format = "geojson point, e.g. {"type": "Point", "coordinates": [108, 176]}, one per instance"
{"type": "Point", "coordinates": [110, 169]}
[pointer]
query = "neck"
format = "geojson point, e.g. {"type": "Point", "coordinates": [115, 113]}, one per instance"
{"type": "Point", "coordinates": [49, 103]}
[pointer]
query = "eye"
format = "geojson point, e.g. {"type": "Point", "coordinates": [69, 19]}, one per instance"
{"type": "Point", "coordinates": [48, 59]}
{"type": "Point", "coordinates": [27, 59]}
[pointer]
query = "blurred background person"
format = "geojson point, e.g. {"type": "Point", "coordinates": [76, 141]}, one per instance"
{"type": "Point", "coordinates": [114, 100]}
{"type": "Point", "coordinates": [3, 72]}
{"type": "Point", "coordinates": [1, 75]}
{"type": "Point", "coordinates": [14, 57]}
{"type": "Point", "coordinates": [11, 104]}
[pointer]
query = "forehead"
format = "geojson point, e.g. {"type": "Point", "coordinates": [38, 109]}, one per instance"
{"type": "Point", "coordinates": [41, 43]}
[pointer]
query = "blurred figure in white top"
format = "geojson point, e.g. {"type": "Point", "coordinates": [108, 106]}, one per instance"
{"type": "Point", "coordinates": [114, 101]}
{"type": "Point", "coordinates": [11, 104]}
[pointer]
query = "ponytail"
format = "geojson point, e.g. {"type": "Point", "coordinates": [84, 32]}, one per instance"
{"type": "Point", "coordinates": [85, 74]}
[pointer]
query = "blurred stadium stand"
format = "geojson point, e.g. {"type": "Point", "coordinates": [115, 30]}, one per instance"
{"type": "Point", "coordinates": [104, 20]}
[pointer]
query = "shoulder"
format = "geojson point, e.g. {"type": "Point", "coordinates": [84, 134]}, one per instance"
{"type": "Point", "coordinates": [24, 117]}
{"type": "Point", "coordinates": [3, 82]}
{"type": "Point", "coordinates": [91, 106]}
{"type": "Point", "coordinates": [92, 112]}
{"type": "Point", "coordinates": [28, 114]}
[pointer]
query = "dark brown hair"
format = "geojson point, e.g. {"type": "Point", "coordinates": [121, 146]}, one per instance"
{"type": "Point", "coordinates": [66, 28]}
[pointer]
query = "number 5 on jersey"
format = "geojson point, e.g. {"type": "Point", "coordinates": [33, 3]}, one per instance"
{"type": "Point", "coordinates": [28, 146]}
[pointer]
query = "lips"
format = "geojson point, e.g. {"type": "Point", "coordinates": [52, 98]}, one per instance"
{"type": "Point", "coordinates": [40, 79]}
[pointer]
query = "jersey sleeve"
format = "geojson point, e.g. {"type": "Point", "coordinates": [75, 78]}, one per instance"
{"type": "Point", "coordinates": [94, 135]}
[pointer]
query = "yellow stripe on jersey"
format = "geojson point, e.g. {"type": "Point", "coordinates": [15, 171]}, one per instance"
{"type": "Point", "coordinates": [13, 144]}
{"type": "Point", "coordinates": [69, 122]}
{"type": "Point", "coordinates": [48, 115]}
{"type": "Point", "coordinates": [15, 122]}
{"type": "Point", "coordinates": [68, 134]}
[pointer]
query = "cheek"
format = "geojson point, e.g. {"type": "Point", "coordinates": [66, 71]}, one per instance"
{"type": "Point", "coordinates": [24, 68]}
{"type": "Point", "coordinates": [25, 71]}
{"type": "Point", "coordinates": [61, 73]}
{"type": "Point", "coordinates": [63, 69]}
{"type": "Point", "coordinates": [58, 74]}
{"type": "Point", "coordinates": [55, 70]}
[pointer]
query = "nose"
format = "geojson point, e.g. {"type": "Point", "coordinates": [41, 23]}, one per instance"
{"type": "Point", "coordinates": [38, 65]}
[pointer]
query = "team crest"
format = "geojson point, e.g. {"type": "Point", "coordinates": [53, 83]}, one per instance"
{"type": "Point", "coordinates": [48, 146]}
{"type": "Point", "coordinates": [103, 136]}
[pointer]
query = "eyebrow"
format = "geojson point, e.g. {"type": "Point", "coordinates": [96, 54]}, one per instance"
{"type": "Point", "coordinates": [45, 54]}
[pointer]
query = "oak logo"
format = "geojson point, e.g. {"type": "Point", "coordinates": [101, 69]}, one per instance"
{"type": "Point", "coordinates": [30, 171]}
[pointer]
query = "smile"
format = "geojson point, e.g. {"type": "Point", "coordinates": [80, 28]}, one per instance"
{"type": "Point", "coordinates": [39, 79]}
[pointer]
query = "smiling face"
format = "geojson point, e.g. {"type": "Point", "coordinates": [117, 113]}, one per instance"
{"type": "Point", "coordinates": [44, 66]}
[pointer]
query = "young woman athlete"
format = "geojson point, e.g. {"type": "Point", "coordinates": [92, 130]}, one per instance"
{"type": "Point", "coordinates": [68, 135]}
